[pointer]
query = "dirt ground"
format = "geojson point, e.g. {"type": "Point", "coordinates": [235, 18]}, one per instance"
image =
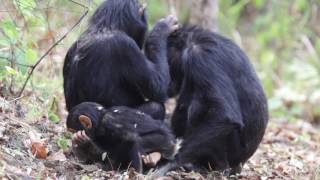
{"type": "Point", "coordinates": [288, 151]}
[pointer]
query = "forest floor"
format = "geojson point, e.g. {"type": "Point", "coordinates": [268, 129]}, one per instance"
{"type": "Point", "coordinates": [288, 151]}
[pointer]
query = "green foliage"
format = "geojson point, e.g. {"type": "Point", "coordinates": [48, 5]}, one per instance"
{"type": "Point", "coordinates": [54, 111]}
{"type": "Point", "coordinates": [282, 39]}
{"type": "Point", "coordinates": [54, 117]}
{"type": "Point", "coordinates": [63, 144]}
{"type": "Point", "coordinates": [157, 9]}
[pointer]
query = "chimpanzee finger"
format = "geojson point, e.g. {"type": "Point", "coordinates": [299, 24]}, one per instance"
{"type": "Point", "coordinates": [84, 136]}
{"type": "Point", "coordinates": [75, 138]}
{"type": "Point", "coordinates": [144, 159]}
{"type": "Point", "coordinates": [150, 161]}
{"type": "Point", "coordinates": [175, 28]}
{"type": "Point", "coordinates": [142, 9]}
{"type": "Point", "coordinates": [172, 20]}
{"type": "Point", "coordinates": [79, 136]}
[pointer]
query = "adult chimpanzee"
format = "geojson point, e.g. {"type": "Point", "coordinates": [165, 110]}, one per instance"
{"type": "Point", "coordinates": [106, 65]}
{"type": "Point", "coordinates": [222, 110]}
{"type": "Point", "coordinates": [121, 132]}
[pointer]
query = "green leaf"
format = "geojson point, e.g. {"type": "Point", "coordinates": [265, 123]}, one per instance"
{"type": "Point", "coordinates": [11, 71]}
{"type": "Point", "coordinates": [54, 118]}
{"type": "Point", "coordinates": [4, 42]}
{"type": "Point", "coordinates": [21, 58]}
{"type": "Point", "coordinates": [31, 56]}
{"type": "Point", "coordinates": [63, 144]}
{"type": "Point", "coordinates": [259, 3]}
{"type": "Point", "coordinates": [10, 30]}
{"type": "Point", "coordinates": [301, 5]}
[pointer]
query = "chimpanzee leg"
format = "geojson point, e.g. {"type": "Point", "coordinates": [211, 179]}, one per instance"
{"type": "Point", "coordinates": [207, 145]}
{"type": "Point", "coordinates": [179, 120]}
{"type": "Point", "coordinates": [134, 155]}
{"type": "Point", "coordinates": [236, 152]}
{"type": "Point", "coordinates": [154, 109]}
{"type": "Point", "coordinates": [127, 155]}
{"type": "Point", "coordinates": [158, 142]}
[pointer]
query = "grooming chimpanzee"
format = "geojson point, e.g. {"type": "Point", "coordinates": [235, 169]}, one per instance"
{"type": "Point", "coordinates": [125, 134]}
{"type": "Point", "coordinates": [106, 64]}
{"type": "Point", "coordinates": [222, 110]}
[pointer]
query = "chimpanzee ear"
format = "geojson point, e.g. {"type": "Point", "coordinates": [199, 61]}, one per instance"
{"type": "Point", "coordinates": [85, 121]}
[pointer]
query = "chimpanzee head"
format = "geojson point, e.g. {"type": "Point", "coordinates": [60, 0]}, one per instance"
{"type": "Point", "coordinates": [84, 116]}
{"type": "Point", "coordinates": [128, 16]}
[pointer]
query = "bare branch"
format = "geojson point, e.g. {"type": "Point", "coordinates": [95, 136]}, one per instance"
{"type": "Point", "coordinates": [54, 45]}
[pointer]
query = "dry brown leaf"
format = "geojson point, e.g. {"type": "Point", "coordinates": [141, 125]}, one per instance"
{"type": "Point", "coordinates": [39, 150]}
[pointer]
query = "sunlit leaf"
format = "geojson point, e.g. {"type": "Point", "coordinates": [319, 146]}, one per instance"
{"type": "Point", "coordinates": [54, 118]}
{"type": "Point", "coordinates": [10, 29]}
{"type": "Point", "coordinates": [11, 71]}
{"type": "Point", "coordinates": [63, 144]}
{"type": "Point", "coordinates": [31, 56]}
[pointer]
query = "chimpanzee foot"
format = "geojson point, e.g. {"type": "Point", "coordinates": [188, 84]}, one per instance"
{"type": "Point", "coordinates": [151, 160]}
{"type": "Point", "coordinates": [236, 170]}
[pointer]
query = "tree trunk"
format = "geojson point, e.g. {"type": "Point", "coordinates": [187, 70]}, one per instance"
{"type": "Point", "coordinates": [204, 13]}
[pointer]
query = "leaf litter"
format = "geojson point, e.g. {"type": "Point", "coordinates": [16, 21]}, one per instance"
{"type": "Point", "coordinates": [30, 150]}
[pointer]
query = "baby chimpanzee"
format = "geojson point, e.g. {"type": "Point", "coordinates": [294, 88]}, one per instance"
{"type": "Point", "coordinates": [222, 110]}
{"type": "Point", "coordinates": [119, 136]}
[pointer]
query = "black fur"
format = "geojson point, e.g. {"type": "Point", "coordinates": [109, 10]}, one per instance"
{"type": "Point", "coordinates": [123, 133]}
{"type": "Point", "coordinates": [106, 65]}
{"type": "Point", "coordinates": [222, 110]}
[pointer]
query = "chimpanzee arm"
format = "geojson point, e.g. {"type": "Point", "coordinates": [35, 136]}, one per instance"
{"type": "Point", "coordinates": [150, 74]}
{"type": "Point", "coordinates": [156, 110]}
{"type": "Point", "coordinates": [68, 82]}
{"type": "Point", "coordinates": [88, 152]}
{"type": "Point", "coordinates": [69, 59]}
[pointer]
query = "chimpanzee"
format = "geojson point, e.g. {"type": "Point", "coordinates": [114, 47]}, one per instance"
{"type": "Point", "coordinates": [222, 110]}
{"type": "Point", "coordinates": [126, 135]}
{"type": "Point", "coordinates": [106, 64]}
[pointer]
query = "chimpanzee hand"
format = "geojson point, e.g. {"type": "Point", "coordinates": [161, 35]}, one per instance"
{"type": "Point", "coordinates": [167, 25]}
{"type": "Point", "coordinates": [80, 138]}
{"type": "Point", "coordinates": [85, 149]}
{"type": "Point", "coordinates": [172, 22]}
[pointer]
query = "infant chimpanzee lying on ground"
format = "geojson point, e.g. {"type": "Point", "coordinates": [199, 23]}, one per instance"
{"type": "Point", "coordinates": [119, 137]}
